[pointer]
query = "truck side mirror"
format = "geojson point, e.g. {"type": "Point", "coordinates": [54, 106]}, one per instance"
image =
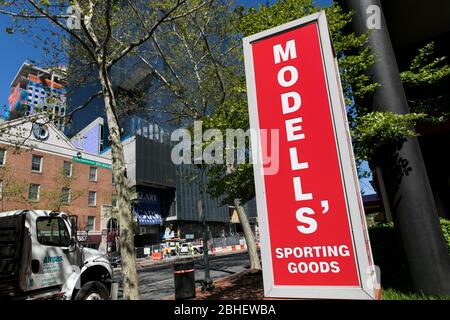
{"type": "Point", "coordinates": [72, 244]}
{"type": "Point", "coordinates": [74, 225]}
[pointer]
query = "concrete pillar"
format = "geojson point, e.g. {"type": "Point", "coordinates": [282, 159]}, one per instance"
{"type": "Point", "coordinates": [403, 169]}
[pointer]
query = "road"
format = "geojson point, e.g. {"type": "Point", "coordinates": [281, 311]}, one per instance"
{"type": "Point", "coordinates": [156, 283]}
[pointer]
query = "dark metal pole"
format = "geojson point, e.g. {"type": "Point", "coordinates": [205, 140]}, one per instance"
{"type": "Point", "coordinates": [207, 283]}
{"type": "Point", "coordinates": [404, 173]}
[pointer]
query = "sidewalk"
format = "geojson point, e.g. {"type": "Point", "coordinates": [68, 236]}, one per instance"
{"type": "Point", "coordinates": [245, 285]}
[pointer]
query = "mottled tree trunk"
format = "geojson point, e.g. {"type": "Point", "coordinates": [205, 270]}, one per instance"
{"type": "Point", "coordinates": [126, 239]}
{"type": "Point", "coordinates": [255, 263]}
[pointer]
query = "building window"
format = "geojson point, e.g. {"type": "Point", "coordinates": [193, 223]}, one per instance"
{"type": "Point", "coordinates": [33, 192]}
{"type": "Point", "coordinates": [101, 137]}
{"type": "Point", "coordinates": [36, 163]}
{"type": "Point", "coordinates": [67, 168]}
{"type": "Point", "coordinates": [40, 131]}
{"type": "Point", "coordinates": [2, 157]}
{"type": "Point", "coordinates": [114, 200]}
{"type": "Point", "coordinates": [93, 174]}
{"type": "Point", "coordinates": [1, 189]}
{"type": "Point", "coordinates": [90, 223]}
{"type": "Point", "coordinates": [92, 198]}
{"type": "Point", "coordinates": [65, 193]}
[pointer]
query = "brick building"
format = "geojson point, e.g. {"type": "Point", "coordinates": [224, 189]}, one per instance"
{"type": "Point", "coordinates": [49, 172]}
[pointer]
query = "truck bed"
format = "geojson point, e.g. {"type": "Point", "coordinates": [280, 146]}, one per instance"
{"type": "Point", "coordinates": [12, 240]}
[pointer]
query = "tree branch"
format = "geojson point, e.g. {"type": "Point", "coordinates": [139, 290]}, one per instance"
{"type": "Point", "coordinates": [170, 87]}
{"type": "Point", "coordinates": [216, 68]}
{"type": "Point", "coordinates": [194, 65]}
{"type": "Point", "coordinates": [108, 28]}
{"type": "Point", "coordinates": [84, 105]}
{"type": "Point", "coordinates": [65, 28]}
{"type": "Point", "coordinates": [29, 16]}
{"type": "Point", "coordinates": [188, 12]}
{"type": "Point", "coordinates": [149, 33]}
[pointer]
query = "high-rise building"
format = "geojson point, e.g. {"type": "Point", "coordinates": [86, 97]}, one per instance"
{"type": "Point", "coordinates": [34, 90]}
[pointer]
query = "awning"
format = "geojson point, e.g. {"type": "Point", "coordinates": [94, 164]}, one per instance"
{"type": "Point", "coordinates": [147, 217]}
{"type": "Point", "coordinates": [148, 207]}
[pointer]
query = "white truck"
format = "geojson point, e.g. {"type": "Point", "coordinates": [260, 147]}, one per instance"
{"type": "Point", "coordinates": [198, 248]}
{"type": "Point", "coordinates": [40, 258]}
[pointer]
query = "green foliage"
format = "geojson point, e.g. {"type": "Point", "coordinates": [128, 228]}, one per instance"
{"type": "Point", "coordinates": [225, 182]}
{"type": "Point", "coordinates": [425, 68]}
{"type": "Point", "coordinates": [426, 83]}
{"type": "Point", "coordinates": [354, 59]}
{"type": "Point", "coordinates": [387, 255]}
{"type": "Point", "coordinates": [392, 294]}
{"type": "Point", "coordinates": [375, 129]}
{"type": "Point", "coordinates": [266, 17]}
{"type": "Point", "coordinates": [445, 225]}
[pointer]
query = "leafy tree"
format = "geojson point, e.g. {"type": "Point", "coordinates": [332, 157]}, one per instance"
{"type": "Point", "coordinates": [231, 182]}
{"type": "Point", "coordinates": [426, 74]}
{"type": "Point", "coordinates": [64, 191]}
{"type": "Point", "coordinates": [194, 62]}
{"type": "Point", "coordinates": [108, 33]}
{"type": "Point", "coordinates": [236, 181]}
{"type": "Point", "coordinates": [12, 189]}
{"type": "Point", "coordinates": [370, 130]}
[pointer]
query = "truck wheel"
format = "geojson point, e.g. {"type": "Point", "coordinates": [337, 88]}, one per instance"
{"type": "Point", "coordinates": [93, 290]}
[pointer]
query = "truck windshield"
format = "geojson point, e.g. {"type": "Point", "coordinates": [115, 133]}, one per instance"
{"type": "Point", "coordinates": [52, 231]}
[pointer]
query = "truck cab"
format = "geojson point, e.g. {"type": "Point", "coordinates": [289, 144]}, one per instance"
{"type": "Point", "coordinates": [40, 258]}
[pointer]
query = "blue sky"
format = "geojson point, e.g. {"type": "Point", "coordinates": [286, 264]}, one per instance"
{"type": "Point", "coordinates": [15, 49]}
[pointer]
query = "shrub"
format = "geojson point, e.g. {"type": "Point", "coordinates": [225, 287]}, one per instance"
{"type": "Point", "coordinates": [388, 255]}
{"type": "Point", "coordinates": [445, 225]}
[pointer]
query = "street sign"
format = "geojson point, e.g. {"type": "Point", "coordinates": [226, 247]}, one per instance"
{"type": "Point", "coordinates": [92, 163]}
{"type": "Point", "coordinates": [314, 240]}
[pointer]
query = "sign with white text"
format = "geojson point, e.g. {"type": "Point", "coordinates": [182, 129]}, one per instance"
{"type": "Point", "coordinates": [314, 241]}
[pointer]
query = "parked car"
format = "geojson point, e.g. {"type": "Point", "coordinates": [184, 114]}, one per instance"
{"type": "Point", "coordinates": [185, 248]}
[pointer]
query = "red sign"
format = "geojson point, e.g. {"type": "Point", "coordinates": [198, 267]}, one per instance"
{"type": "Point", "coordinates": [307, 222]}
